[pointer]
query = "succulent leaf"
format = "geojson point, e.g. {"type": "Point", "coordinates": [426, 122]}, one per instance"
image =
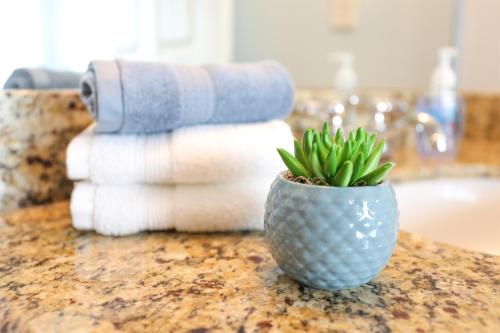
{"type": "Point", "coordinates": [315, 164]}
{"type": "Point", "coordinates": [377, 175]}
{"type": "Point", "coordinates": [339, 137]}
{"type": "Point", "coordinates": [293, 164]}
{"type": "Point", "coordinates": [327, 138]}
{"type": "Point", "coordinates": [364, 149]}
{"type": "Point", "coordinates": [370, 141]}
{"type": "Point", "coordinates": [307, 142]}
{"type": "Point", "coordinates": [360, 135]}
{"type": "Point", "coordinates": [374, 157]}
{"type": "Point", "coordinates": [322, 149]}
{"type": "Point", "coordinates": [358, 161]}
{"type": "Point", "coordinates": [343, 176]}
{"type": "Point", "coordinates": [299, 153]}
{"type": "Point", "coordinates": [356, 145]}
{"type": "Point", "coordinates": [331, 162]}
{"type": "Point", "coordinates": [346, 152]}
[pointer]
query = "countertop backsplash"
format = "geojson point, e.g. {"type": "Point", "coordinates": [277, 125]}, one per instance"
{"type": "Point", "coordinates": [35, 127]}
{"type": "Point", "coordinates": [482, 117]}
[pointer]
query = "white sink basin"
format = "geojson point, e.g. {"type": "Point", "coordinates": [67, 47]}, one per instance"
{"type": "Point", "coordinates": [462, 212]}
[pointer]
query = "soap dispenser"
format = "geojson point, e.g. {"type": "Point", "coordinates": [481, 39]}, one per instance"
{"type": "Point", "coordinates": [445, 105]}
{"type": "Point", "coordinates": [342, 108]}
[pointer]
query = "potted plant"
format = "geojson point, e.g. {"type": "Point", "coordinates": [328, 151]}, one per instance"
{"type": "Point", "coordinates": [331, 220]}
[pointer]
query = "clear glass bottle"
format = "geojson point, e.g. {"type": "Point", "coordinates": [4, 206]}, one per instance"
{"type": "Point", "coordinates": [342, 108]}
{"type": "Point", "coordinates": [444, 104]}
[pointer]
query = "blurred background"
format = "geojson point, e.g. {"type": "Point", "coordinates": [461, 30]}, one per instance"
{"type": "Point", "coordinates": [394, 43]}
{"type": "Point", "coordinates": [423, 74]}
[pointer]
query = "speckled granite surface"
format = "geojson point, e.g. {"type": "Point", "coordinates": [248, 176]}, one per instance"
{"type": "Point", "coordinates": [56, 279]}
{"type": "Point", "coordinates": [35, 128]}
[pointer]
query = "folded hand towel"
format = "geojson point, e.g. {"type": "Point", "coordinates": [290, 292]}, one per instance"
{"type": "Point", "coordinates": [121, 210]}
{"type": "Point", "coordinates": [200, 154]}
{"type": "Point", "coordinates": [39, 78]}
{"type": "Point", "coordinates": [141, 97]}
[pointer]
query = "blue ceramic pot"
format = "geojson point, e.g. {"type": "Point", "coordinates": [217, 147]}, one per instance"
{"type": "Point", "coordinates": [331, 237]}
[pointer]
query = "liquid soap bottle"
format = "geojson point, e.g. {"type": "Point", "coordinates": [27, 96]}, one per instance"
{"type": "Point", "coordinates": [444, 105]}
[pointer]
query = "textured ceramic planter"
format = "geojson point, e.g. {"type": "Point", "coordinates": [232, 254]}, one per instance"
{"type": "Point", "coordinates": [331, 237]}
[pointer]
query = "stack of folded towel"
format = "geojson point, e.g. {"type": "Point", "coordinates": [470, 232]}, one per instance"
{"type": "Point", "coordinates": [178, 147]}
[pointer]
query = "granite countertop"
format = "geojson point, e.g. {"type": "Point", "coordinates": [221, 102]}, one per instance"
{"type": "Point", "coordinates": [54, 278]}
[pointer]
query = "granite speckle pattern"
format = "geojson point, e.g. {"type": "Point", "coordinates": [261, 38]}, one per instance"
{"type": "Point", "coordinates": [57, 279]}
{"type": "Point", "coordinates": [35, 128]}
{"type": "Point", "coordinates": [482, 117]}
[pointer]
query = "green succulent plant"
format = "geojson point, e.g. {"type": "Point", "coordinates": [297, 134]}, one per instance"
{"type": "Point", "coordinates": [337, 161]}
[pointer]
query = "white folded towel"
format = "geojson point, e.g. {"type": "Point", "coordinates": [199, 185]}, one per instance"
{"type": "Point", "coordinates": [193, 155]}
{"type": "Point", "coordinates": [126, 209]}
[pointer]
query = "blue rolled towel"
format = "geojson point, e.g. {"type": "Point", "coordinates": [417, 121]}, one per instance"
{"type": "Point", "coordinates": [142, 97]}
{"type": "Point", "coordinates": [40, 78]}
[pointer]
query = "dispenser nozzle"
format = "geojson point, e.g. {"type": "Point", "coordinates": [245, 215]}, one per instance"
{"type": "Point", "coordinates": [342, 57]}
{"type": "Point", "coordinates": [446, 54]}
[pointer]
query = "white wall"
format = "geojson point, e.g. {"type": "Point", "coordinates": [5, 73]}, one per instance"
{"type": "Point", "coordinates": [480, 46]}
{"type": "Point", "coordinates": [395, 41]}
{"type": "Point", "coordinates": [63, 34]}
{"type": "Point", "coordinates": [210, 34]}
{"type": "Point", "coordinates": [20, 35]}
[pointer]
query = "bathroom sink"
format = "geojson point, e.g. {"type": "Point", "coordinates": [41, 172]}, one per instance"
{"type": "Point", "coordinates": [464, 212]}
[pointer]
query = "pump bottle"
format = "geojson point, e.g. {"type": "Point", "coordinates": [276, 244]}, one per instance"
{"type": "Point", "coordinates": [344, 104]}
{"type": "Point", "coordinates": [443, 103]}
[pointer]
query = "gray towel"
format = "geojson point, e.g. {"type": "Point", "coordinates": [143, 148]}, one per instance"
{"type": "Point", "coordinates": [39, 78]}
{"type": "Point", "coordinates": [141, 97]}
